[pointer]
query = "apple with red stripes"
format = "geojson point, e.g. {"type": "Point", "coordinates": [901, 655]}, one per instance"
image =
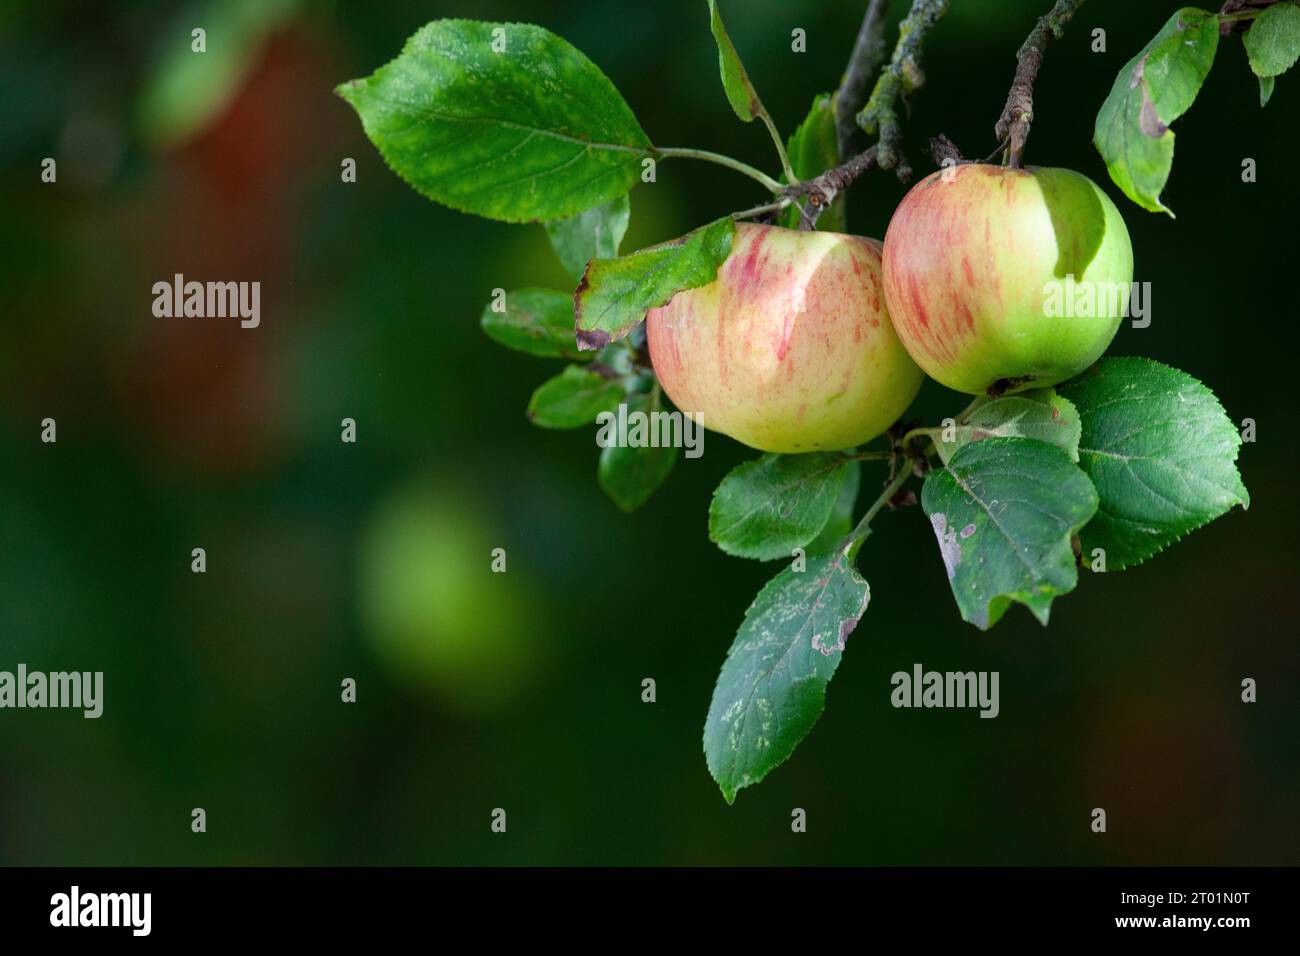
{"type": "Point", "coordinates": [1001, 279]}
{"type": "Point", "coordinates": [790, 349]}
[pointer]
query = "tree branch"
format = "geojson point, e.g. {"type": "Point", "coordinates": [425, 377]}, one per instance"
{"type": "Point", "coordinates": [903, 73]}
{"type": "Point", "coordinates": [902, 76]}
{"type": "Point", "coordinates": [820, 191]}
{"type": "Point", "coordinates": [1013, 125]}
{"type": "Point", "coordinates": [868, 53]}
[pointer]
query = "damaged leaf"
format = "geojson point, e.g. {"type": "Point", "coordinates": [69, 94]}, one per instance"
{"type": "Point", "coordinates": [1152, 90]}
{"type": "Point", "coordinates": [772, 687]}
{"type": "Point", "coordinates": [1004, 511]}
{"type": "Point", "coordinates": [535, 321]}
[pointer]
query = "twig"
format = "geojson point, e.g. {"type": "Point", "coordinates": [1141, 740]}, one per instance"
{"type": "Point", "coordinates": [1018, 114]}
{"type": "Point", "coordinates": [763, 210]}
{"type": "Point", "coordinates": [902, 76]}
{"type": "Point", "coordinates": [820, 191]}
{"type": "Point", "coordinates": [854, 540]}
{"type": "Point", "coordinates": [903, 72]}
{"type": "Point", "coordinates": [946, 153]}
{"type": "Point", "coordinates": [1235, 15]}
{"type": "Point", "coordinates": [868, 53]}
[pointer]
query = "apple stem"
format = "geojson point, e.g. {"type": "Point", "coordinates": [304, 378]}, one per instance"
{"type": "Point", "coordinates": [853, 542]}
{"type": "Point", "coordinates": [869, 456]}
{"type": "Point", "coordinates": [1018, 114]}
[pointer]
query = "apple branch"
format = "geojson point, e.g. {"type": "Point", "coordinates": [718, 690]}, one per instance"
{"type": "Point", "coordinates": [820, 191]}
{"type": "Point", "coordinates": [945, 153]}
{"type": "Point", "coordinates": [868, 53]}
{"type": "Point", "coordinates": [1235, 15]}
{"type": "Point", "coordinates": [1013, 125]}
{"type": "Point", "coordinates": [902, 76]}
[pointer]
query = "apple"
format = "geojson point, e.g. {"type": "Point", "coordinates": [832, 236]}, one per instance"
{"type": "Point", "coordinates": [790, 348]}
{"type": "Point", "coordinates": [1001, 279]}
{"type": "Point", "coordinates": [443, 627]}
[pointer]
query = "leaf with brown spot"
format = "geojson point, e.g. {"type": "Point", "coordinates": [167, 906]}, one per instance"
{"type": "Point", "coordinates": [1151, 91]}
{"type": "Point", "coordinates": [1003, 512]}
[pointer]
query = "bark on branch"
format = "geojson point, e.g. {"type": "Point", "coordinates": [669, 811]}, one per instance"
{"type": "Point", "coordinates": [821, 191]}
{"type": "Point", "coordinates": [1018, 114]}
{"type": "Point", "coordinates": [902, 76]}
{"type": "Point", "coordinates": [868, 54]}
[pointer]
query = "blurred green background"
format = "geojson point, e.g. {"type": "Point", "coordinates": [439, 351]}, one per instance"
{"type": "Point", "coordinates": [522, 691]}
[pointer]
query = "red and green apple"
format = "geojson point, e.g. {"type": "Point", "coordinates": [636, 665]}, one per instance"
{"type": "Point", "coordinates": [790, 348]}
{"type": "Point", "coordinates": [1001, 279]}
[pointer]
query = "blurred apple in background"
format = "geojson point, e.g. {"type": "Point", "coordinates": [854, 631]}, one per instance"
{"type": "Point", "coordinates": [437, 616]}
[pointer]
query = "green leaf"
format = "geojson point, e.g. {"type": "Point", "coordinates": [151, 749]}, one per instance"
{"type": "Point", "coordinates": [1151, 91]}
{"type": "Point", "coordinates": [735, 81]}
{"type": "Point", "coordinates": [1040, 414]}
{"type": "Point", "coordinates": [574, 398]}
{"type": "Point", "coordinates": [813, 149]}
{"type": "Point", "coordinates": [840, 522]}
{"type": "Point", "coordinates": [536, 321]}
{"type": "Point", "coordinates": [630, 475]}
{"type": "Point", "coordinates": [1004, 511]}
{"type": "Point", "coordinates": [1265, 90]}
{"type": "Point", "coordinates": [1161, 452]}
{"type": "Point", "coordinates": [615, 294]}
{"type": "Point", "coordinates": [772, 687]}
{"type": "Point", "coordinates": [503, 120]}
{"type": "Point", "coordinates": [591, 234]}
{"type": "Point", "coordinates": [765, 509]}
{"type": "Point", "coordinates": [1273, 40]}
